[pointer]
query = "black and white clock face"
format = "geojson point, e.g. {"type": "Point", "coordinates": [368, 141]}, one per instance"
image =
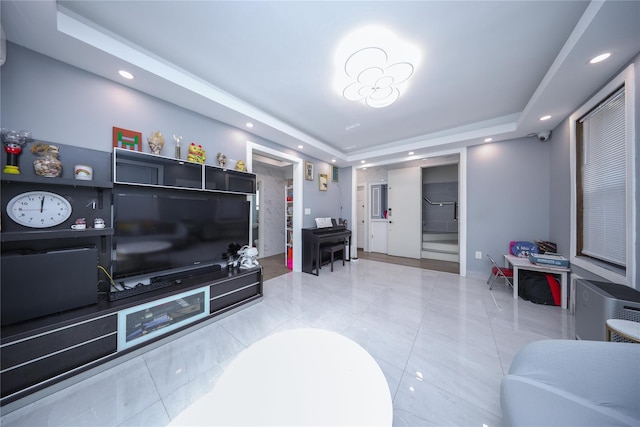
{"type": "Point", "coordinates": [39, 209]}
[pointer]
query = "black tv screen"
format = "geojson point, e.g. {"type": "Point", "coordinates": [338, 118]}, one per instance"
{"type": "Point", "coordinates": [163, 231]}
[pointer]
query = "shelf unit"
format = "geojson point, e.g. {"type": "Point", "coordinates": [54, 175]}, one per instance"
{"type": "Point", "coordinates": [21, 236]}
{"type": "Point", "coordinates": [288, 225]}
{"type": "Point", "coordinates": [59, 181]}
{"type": "Point", "coordinates": [144, 322]}
{"type": "Point", "coordinates": [134, 167]}
{"type": "Point", "coordinates": [37, 353]}
{"type": "Point", "coordinates": [47, 350]}
{"type": "Point", "coordinates": [87, 201]}
{"type": "Point", "coordinates": [78, 192]}
{"type": "Point", "coordinates": [27, 362]}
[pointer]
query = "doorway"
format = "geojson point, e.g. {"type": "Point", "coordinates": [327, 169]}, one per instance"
{"type": "Point", "coordinates": [360, 211]}
{"type": "Point", "coordinates": [440, 187]}
{"type": "Point", "coordinates": [404, 212]}
{"type": "Point", "coordinates": [378, 224]}
{"type": "Point", "coordinates": [277, 159]}
{"type": "Point", "coordinates": [369, 176]}
{"type": "Point", "coordinates": [269, 225]}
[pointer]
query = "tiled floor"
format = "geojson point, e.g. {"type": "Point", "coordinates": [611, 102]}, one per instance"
{"type": "Point", "coordinates": [443, 342]}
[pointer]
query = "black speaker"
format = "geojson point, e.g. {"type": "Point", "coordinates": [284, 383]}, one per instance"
{"type": "Point", "coordinates": [38, 284]}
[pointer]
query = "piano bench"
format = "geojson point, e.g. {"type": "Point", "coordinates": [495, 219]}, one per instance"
{"type": "Point", "coordinates": [332, 249]}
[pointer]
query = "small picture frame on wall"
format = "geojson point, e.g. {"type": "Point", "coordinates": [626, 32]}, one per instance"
{"type": "Point", "coordinates": [127, 139]}
{"type": "Point", "coordinates": [323, 181]}
{"type": "Point", "coordinates": [334, 173]}
{"type": "Point", "coordinates": [308, 171]}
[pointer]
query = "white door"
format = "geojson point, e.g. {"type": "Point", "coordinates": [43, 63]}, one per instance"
{"type": "Point", "coordinates": [404, 212]}
{"type": "Point", "coordinates": [360, 213]}
{"type": "Point", "coordinates": [379, 236]}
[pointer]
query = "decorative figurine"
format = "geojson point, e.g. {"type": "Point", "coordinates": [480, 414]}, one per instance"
{"type": "Point", "coordinates": [221, 159]}
{"type": "Point", "coordinates": [177, 139]}
{"type": "Point", "coordinates": [13, 142]}
{"type": "Point", "coordinates": [156, 142]}
{"type": "Point", "coordinates": [240, 166]}
{"type": "Point", "coordinates": [47, 163]}
{"type": "Point", "coordinates": [196, 153]}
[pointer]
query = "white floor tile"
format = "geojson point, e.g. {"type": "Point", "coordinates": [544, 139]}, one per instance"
{"type": "Point", "coordinates": [422, 403]}
{"type": "Point", "coordinates": [443, 342]}
{"type": "Point", "coordinates": [153, 416]}
{"type": "Point", "coordinates": [180, 361]}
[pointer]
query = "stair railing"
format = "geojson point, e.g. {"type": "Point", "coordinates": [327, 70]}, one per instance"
{"type": "Point", "coordinates": [455, 206]}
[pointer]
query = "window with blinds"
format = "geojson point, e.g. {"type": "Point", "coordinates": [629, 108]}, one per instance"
{"type": "Point", "coordinates": [601, 156]}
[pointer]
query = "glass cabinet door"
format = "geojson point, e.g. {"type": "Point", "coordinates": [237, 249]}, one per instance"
{"type": "Point", "coordinates": [144, 322]}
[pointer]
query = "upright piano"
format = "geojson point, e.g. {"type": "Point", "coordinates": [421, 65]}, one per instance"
{"type": "Point", "coordinates": [314, 238]}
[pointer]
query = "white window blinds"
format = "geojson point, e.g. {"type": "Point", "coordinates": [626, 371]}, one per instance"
{"type": "Point", "coordinates": [604, 181]}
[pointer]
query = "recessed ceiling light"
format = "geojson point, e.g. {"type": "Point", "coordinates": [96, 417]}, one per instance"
{"type": "Point", "coordinates": [127, 75]}
{"type": "Point", "coordinates": [488, 139]}
{"type": "Point", "coordinates": [333, 160]}
{"type": "Point", "coordinates": [600, 58]}
{"type": "Point", "coordinates": [364, 169]}
{"type": "Point", "coordinates": [411, 153]}
{"type": "Point", "coordinates": [543, 118]}
{"type": "Point", "coordinates": [363, 161]}
{"type": "Point", "coordinates": [249, 125]}
{"type": "Point", "coordinates": [300, 146]}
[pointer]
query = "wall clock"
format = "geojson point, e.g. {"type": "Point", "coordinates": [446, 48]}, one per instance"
{"type": "Point", "coordinates": [39, 209]}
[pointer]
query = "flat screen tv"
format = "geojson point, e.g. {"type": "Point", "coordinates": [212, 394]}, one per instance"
{"type": "Point", "coordinates": [160, 232]}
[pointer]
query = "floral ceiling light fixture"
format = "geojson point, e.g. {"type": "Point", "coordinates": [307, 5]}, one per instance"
{"type": "Point", "coordinates": [373, 65]}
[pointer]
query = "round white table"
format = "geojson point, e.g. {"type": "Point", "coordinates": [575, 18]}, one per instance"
{"type": "Point", "coordinates": [624, 328]}
{"type": "Point", "coordinates": [297, 377]}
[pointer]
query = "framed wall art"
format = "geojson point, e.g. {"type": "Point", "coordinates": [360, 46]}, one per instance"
{"type": "Point", "coordinates": [334, 173]}
{"type": "Point", "coordinates": [127, 139]}
{"type": "Point", "coordinates": [308, 171]}
{"type": "Point", "coordinates": [323, 181]}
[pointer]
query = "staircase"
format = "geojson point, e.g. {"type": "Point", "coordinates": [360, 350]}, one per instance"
{"type": "Point", "coordinates": [440, 246]}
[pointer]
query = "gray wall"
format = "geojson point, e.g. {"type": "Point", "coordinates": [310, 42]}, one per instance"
{"type": "Point", "coordinates": [507, 198]}
{"type": "Point", "coordinates": [637, 177]}
{"type": "Point", "coordinates": [437, 174]}
{"type": "Point", "coordinates": [324, 203]}
{"type": "Point", "coordinates": [62, 104]}
{"type": "Point", "coordinates": [439, 184]}
{"type": "Point", "coordinates": [560, 188]}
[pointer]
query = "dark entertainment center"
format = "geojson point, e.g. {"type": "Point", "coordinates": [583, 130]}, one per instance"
{"type": "Point", "coordinates": [73, 299]}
